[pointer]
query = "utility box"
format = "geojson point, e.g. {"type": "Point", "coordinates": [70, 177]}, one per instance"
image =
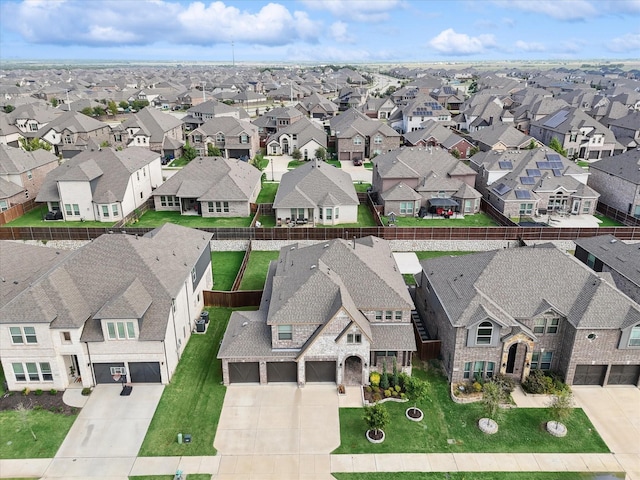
{"type": "Point", "coordinates": [187, 438]}
{"type": "Point", "coordinates": [200, 326]}
{"type": "Point", "coordinates": [204, 315]}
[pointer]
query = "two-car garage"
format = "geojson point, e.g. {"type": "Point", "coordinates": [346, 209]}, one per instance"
{"type": "Point", "coordinates": [597, 375]}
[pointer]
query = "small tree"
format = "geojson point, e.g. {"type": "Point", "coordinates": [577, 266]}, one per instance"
{"type": "Point", "coordinates": [384, 378]}
{"type": "Point", "coordinates": [212, 150]}
{"type": "Point", "coordinates": [88, 111]}
{"type": "Point", "coordinates": [416, 389]}
{"type": "Point", "coordinates": [554, 144]}
{"type": "Point", "coordinates": [296, 154]}
{"type": "Point", "coordinates": [139, 104]}
{"type": "Point", "coordinates": [376, 417]}
{"type": "Point", "coordinates": [491, 398]}
{"type": "Point", "coordinates": [112, 107]}
{"type": "Point", "coordinates": [321, 153]}
{"type": "Point", "coordinates": [395, 379]}
{"type": "Point", "coordinates": [473, 151]}
{"type": "Point", "coordinates": [99, 111]}
{"type": "Point", "coordinates": [9, 108]}
{"type": "Point", "coordinates": [561, 406]}
{"type": "Point", "coordinates": [455, 153]}
{"type": "Point", "coordinates": [32, 144]}
{"type": "Point", "coordinates": [23, 416]}
{"type": "Point", "coordinates": [188, 152]}
{"type": "Point", "coordinates": [123, 104]}
{"type": "Point", "coordinates": [54, 102]}
{"type": "Point", "coordinates": [532, 145]}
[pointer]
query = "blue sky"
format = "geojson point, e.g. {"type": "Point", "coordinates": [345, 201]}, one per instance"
{"type": "Point", "coordinates": [319, 30]}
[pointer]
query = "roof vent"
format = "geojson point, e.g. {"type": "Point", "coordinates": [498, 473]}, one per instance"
{"type": "Point", "coordinates": [244, 324]}
{"type": "Point", "coordinates": [613, 240]}
{"type": "Point", "coordinates": [326, 245]}
{"type": "Point", "coordinates": [312, 267]}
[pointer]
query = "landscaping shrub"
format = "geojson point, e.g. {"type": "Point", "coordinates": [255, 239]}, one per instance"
{"type": "Point", "coordinates": [26, 391]}
{"type": "Point", "coordinates": [368, 389]}
{"type": "Point", "coordinates": [395, 379]}
{"type": "Point", "coordinates": [86, 391]}
{"type": "Point", "coordinates": [53, 391]}
{"type": "Point", "coordinates": [505, 383]}
{"type": "Point", "coordinates": [377, 397]}
{"type": "Point", "coordinates": [374, 378]}
{"type": "Point", "coordinates": [38, 392]}
{"type": "Point", "coordinates": [477, 387]}
{"type": "Point", "coordinates": [384, 378]}
{"type": "Point", "coordinates": [387, 393]}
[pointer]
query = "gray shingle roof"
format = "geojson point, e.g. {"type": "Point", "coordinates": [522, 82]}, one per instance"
{"type": "Point", "coordinates": [626, 166]}
{"type": "Point", "coordinates": [16, 161]}
{"type": "Point", "coordinates": [619, 256]}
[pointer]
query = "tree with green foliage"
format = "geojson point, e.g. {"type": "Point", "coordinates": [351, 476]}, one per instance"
{"type": "Point", "coordinates": [296, 154]}
{"type": "Point", "coordinates": [213, 151]}
{"type": "Point", "coordinates": [9, 108]}
{"type": "Point", "coordinates": [188, 152]}
{"type": "Point", "coordinates": [416, 389]}
{"type": "Point", "coordinates": [473, 87]}
{"type": "Point", "coordinates": [99, 111]}
{"type": "Point", "coordinates": [139, 104]}
{"type": "Point", "coordinates": [473, 151]}
{"type": "Point", "coordinates": [88, 111]}
{"type": "Point", "coordinates": [554, 144]}
{"type": "Point", "coordinates": [123, 104]}
{"type": "Point", "coordinates": [112, 107]}
{"type": "Point", "coordinates": [32, 144]}
{"type": "Point", "coordinates": [376, 417]}
{"type": "Point", "coordinates": [532, 145]}
{"type": "Point", "coordinates": [561, 406]}
{"type": "Point", "coordinates": [492, 396]}
{"type": "Point", "coordinates": [54, 102]}
{"type": "Point", "coordinates": [384, 378]}
{"type": "Point", "coordinates": [321, 153]}
{"type": "Point", "coordinates": [455, 153]}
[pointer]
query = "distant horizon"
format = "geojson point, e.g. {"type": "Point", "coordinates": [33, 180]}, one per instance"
{"type": "Point", "coordinates": [319, 31]}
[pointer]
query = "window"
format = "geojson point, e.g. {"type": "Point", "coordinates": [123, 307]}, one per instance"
{"type": "Point", "coordinates": [29, 174]}
{"type": "Point", "coordinates": [336, 212]}
{"type": "Point", "coordinates": [4, 205]}
{"type": "Point", "coordinates": [117, 371]}
{"type": "Point", "coordinates": [379, 315]}
{"type": "Point", "coordinates": [193, 275]}
{"type": "Point", "coordinates": [18, 372]}
{"type": "Point", "coordinates": [484, 334]}
{"type": "Point", "coordinates": [138, 175]}
{"type": "Point", "coordinates": [244, 138]}
{"type": "Point", "coordinates": [210, 207]}
{"type": "Point", "coordinates": [105, 211]}
{"type": "Point", "coordinates": [357, 140]}
{"type": "Point", "coordinates": [483, 369]}
{"type": "Point", "coordinates": [548, 325]}
{"type": "Point", "coordinates": [541, 360]}
{"type": "Point", "coordinates": [591, 260]}
{"type": "Point", "coordinates": [33, 371]}
{"type": "Point", "coordinates": [398, 315]}
{"type": "Point", "coordinates": [168, 201]}
{"type": "Point", "coordinates": [377, 140]}
{"type": "Point", "coordinates": [220, 138]}
{"type": "Point", "coordinates": [114, 209]}
{"type": "Point", "coordinates": [222, 207]}
{"type": "Point", "coordinates": [329, 214]}
{"type": "Point", "coordinates": [586, 206]}
{"type": "Point", "coordinates": [467, 206]}
{"type": "Point", "coordinates": [121, 330]}
{"type": "Point", "coordinates": [354, 338]}
{"type": "Point", "coordinates": [406, 208]}
{"type": "Point", "coordinates": [45, 370]}
{"type": "Point", "coordinates": [285, 332]}
{"type": "Point", "coordinates": [388, 315]}
{"type": "Point", "coordinates": [526, 208]}
{"type": "Point", "coordinates": [634, 337]}
{"type": "Point", "coordinates": [22, 335]}
{"type": "Point", "coordinates": [68, 140]}
{"type": "Point", "coordinates": [66, 336]}
{"type": "Point", "coordinates": [76, 209]}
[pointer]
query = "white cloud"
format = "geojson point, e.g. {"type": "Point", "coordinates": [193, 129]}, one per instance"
{"type": "Point", "coordinates": [558, 9]}
{"type": "Point", "coordinates": [340, 32]}
{"type": "Point", "coordinates": [368, 11]}
{"type": "Point", "coordinates": [451, 43]}
{"type": "Point", "coordinates": [529, 46]}
{"type": "Point", "coordinates": [629, 43]}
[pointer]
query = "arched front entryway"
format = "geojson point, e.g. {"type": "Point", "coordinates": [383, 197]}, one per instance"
{"type": "Point", "coordinates": [353, 371]}
{"type": "Point", "coordinates": [516, 357]}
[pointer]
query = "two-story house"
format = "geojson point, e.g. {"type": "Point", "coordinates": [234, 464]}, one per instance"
{"type": "Point", "coordinates": [121, 308]}
{"type": "Point", "coordinates": [303, 135]}
{"type": "Point", "coordinates": [318, 322]}
{"type": "Point", "coordinates": [73, 132]}
{"type": "Point", "coordinates": [234, 138]}
{"type": "Point", "coordinates": [617, 179]}
{"type": "Point", "coordinates": [153, 129]}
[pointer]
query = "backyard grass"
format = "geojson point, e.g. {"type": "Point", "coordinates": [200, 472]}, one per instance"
{"type": "Point", "coordinates": [189, 476]}
{"type": "Point", "coordinates": [365, 219]}
{"type": "Point", "coordinates": [152, 219]}
{"type": "Point", "coordinates": [16, 440]}
{"type": "Point", "coordinates": [192, 402]}
{"type": "Point", "coordinates": [34, 218]}
{"type": "Point", "coordinates": [439, 253]}
{"type": "Point", "coordinates": [474, 476]}
{"type": "Point", "coordinates": [477, 220]}
{"type": "Point", "coordinates": [362, 187]}
{"type": "Point", "coordinates": [608, 222]}
{"type": "Point", "coordinates": [257, 267]}
{"type": "Point", "coordinates": [368, 165]}
{"type": "Point", "coordinates": [449, 427]}
{"type": "Point", "coordinates": [225, 267]}
{"type": "Point", "coordinates": [268, 192]}
{"type": "Point", "coordinates": [179, 162]}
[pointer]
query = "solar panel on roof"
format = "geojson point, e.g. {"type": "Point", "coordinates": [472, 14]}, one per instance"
{"type": "Point", "coordinates": [505, 165]}
{"type": "Point", "coordinates": [557, 119]}
{"type": "Point", "coordinates": [527, 180]}
{"type": "Point", "coordinates": [544, 165]}
{"type": "Point", "coordinates": [553, 157]}
{"type": "Point", "coordinates": [523, 194]}
{"type": "Point", "coordinates": [533, 172]}
{"type": "Point", "coordinates": [501, 189]}
{"type": "Point", "coordinates": [557, 172]}
{"type": "Point", "coordinates": [558, 165]}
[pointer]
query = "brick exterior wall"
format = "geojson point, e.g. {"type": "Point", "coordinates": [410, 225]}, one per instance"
{"type": "Point", "coordinates": [614, 191]}
{"type": "Point", "coordinates": [236, 209]}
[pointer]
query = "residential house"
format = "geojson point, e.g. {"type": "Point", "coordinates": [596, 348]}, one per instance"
{"type": "Point", "coordinates": [317, 106]}
{"type": "Point", "coordinates": [209, 109]}
{"type": "Point", "coordinates": [380, 108]}
{"type": "Point", "coordinates": [532, 182]}
{"type": "Point", "coordinates": [358, 137]}
{"type": "Point", "coordinates": [435, 134]}
{"type": "Point", "coordinates": [210, 187]}
{"type": "Point", "coordinates": [516, 310]}
{"type": "Point", "coordinates": [581, 136]}
{"type": "Point", "coordinates": [606, 253]}
{"type": "Point", "coordinates": [617, 179]}
{"type": "Point", "coordinates": [482, 110]}
{"type": "Point", "coordinates": [72, 132]}
{"type": "Point", "coordinates": [119, 309]}
{"type": "Point", "coordinates": [275, 120]}
{"type": "Point", "coordinates": [407, 179]}
{"type": "Point", "coordinates": [104, 185]}
{"type": "Point", "coordinates": [316, 192]}
{"type": "Point", "coordinates": [234, 138]}
{"type": "Point", "coordinates": [30, 118]}
{"type": "Point", "coordinates": [351, 97]}
{"type": "Point", "coordinates": [153, 129]}
{"type": "Point", "coordinates": [327, 327]}
{"type": "Point", "coordinates": [501, 137]}
{"type": "Point", "coordinates": [22, 174]}
{"type": "Point", "coordinates": [422, 109]}
{"type": "Point", "coordinates": [9, 134]}
{"type": "Point", "coordinates": [448, 97]}
{"type": "Point", "coordinates": [627, 129]}
{"type": "Point", "coordinates": [303, 135]}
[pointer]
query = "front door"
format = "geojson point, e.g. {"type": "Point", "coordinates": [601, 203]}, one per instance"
{"type": "Point", "coordinates": [575, 208]}
{"type": "Point", "coordinates": [352, 371]}
{"type": "Point", "coordinates": [511, 359]}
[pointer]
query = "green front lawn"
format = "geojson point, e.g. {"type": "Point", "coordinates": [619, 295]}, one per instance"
{"type": "Point", "coordinates": [295, 164]}
{"type": "Point", "coordinates": [152, 219]}
{"type": "Point", "coordinates": [192, 402]}
{"type": "Point", "coordinates": [368, 165]}
{"type": "Point", "coordinates": [225, 267]}
{"type": "Point", "coordinates": [365, 219]}
{"type": "Point", "coordinates": [268, 192]}
{"type": "Point", "coordinates": [257, 267]}
{"type": "Point", "coordinates": [16, 440]}
{"type": "Point", "coordinates": [179, 162]}
{"type": "Point", "coordinates": [477, 220]}
{"type": "Point", "coordinates": [35, 217]}
{"type": "Point", "coordinates": [474, 476]}
{"type": "Point", "coordinates": [335, 163]}
{"type": "Point", "coordinates": [608, 222]}
{"type": "Point", "coordinates": [449, 427]}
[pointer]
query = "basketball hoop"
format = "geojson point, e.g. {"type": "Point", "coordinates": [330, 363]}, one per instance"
{"type": "Point", "coordinates": [116, 377]}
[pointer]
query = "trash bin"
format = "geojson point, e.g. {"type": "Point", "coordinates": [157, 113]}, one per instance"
{"type": "Point", "coordinates": [204, 315]}
{"type": "Point", "coordinates": [200, 326]}
{"type": "Point", "coordinates": [180, 438]}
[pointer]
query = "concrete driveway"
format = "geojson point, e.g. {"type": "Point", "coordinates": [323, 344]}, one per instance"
{"type": "Point", "coordinates": [105, 438]}
{"type": "Point", "coordinates": [278, 167]}
{"type": "Point", "coordinates": [278, 419]}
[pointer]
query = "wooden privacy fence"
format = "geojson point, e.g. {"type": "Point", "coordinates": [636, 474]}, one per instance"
{"type": "Point", "coordinates": [240, 298]}
{"type": "Point", "coordinates": [17, 211]}
{"type": "Point", "coordinates": [428, 349]}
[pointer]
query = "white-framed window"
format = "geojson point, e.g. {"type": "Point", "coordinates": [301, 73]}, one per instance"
{"type": "Point", "coordinates": [329, 214]}
{"type": "Point", "coordinates": [526, 208]}
{"type": "Point", "coordinates": [68, 140]}
{"type": "Point", "coordinates": [357, 140]}
{"type": "Point", "coordinates": [541, 360]}
{"type": "Point", "coordinates": [220, 138]}
{"type": "Point", "coordinates": [586, 206]}
{"type": "Point", "coordinates": [72, 209]}
{"type": "Point", "coordinates": [546, 325]}
{"type": "Point", "coordinates": [4, 205]}
{"type": "Point", "coordinates": [222, 207]}
{"type": "Point", "coordinates": [377, 140]}
{"type": "Point", "coordinates": [483, 369]}
{"type": "Point", "coordinates": [354, 338]}
{"type": "Point", "coordinates": [105, 211]}
{"type": "Point", "coordinates": [34, 372]}
{"type": "Point", "coordinates": [388, 315]}
{"type": "Point", "coordinates": [121, 330]}
{"type": "Point", "coordinates": [23, 335]}
{"type": "Point", "coordinates": [169, 201]}
{"type": "Point", "coordinates": [406, 208]}
{"type": "Point", "coordinates": [379, 315]}
{"type": "Point", "coordinates": [114, 209]}
{"type": "Point", "coordinates": [29, 174]}
{"type": "Point", "coordinates": [634, 337]}
{"type": "Point", "coordinates": [484, 333]}
{"type": "Point", "coordinates": [285, 332]}
{"type": "Point", "coordinates": [138, 175]}
{"type": "Point", "coordinates": [398, 315]}
{"type": "Point", "coordinates": [244, 138]}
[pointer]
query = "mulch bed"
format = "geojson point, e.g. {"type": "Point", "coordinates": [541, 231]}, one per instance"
{"type": "Point", "coordinates": [46, 401]}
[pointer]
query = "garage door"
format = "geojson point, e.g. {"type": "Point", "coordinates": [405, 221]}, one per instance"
{"type": "Point", "coordinates": [624, 375]}
{"type": "Point", "coordinates": [104, 372]}
{"type": "Point", "coordinates": [248, 372]}
{"type": "Point", "coordinates": [145, 372]}
{"type": "Point", "coordinates": [282, 372]}
{"type": "Point", "coordinates": [589, 374]}
{"type": "Point", "coordinates": [320, 371]}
